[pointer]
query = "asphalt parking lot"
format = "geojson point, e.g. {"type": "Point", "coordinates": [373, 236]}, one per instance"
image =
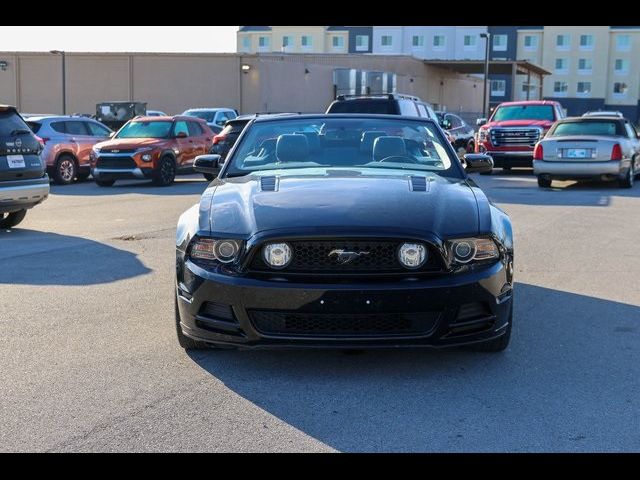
{"type": "Point", "coordinates": [90, 361]}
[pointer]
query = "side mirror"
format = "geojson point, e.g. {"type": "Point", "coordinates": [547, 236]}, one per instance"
{"type": "Point", "coordinates": [207, 164]}
{"type": "Point", "coordinates": [181, 135]}
{"type": "Point", "coordinates": [481, 121]}
{"type": "Point", "coordinates": [478, 163]}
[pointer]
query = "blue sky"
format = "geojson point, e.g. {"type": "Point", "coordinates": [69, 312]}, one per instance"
{"type": "Point", "coordinates": [118, 38]}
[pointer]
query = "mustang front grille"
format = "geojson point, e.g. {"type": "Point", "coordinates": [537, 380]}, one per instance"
{"type": "Point", "coordinates": [322, 256]}
{"type": "Point", "coordinates": [345, 324]}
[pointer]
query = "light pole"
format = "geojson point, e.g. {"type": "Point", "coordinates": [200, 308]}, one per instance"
{"type": "Point", "coordinates": [64, 80]}
{"type": "Point", "coordinates": [487, 36]}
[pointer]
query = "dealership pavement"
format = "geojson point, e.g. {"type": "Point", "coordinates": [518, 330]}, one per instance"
{"type": "Point", "coordinates": [89, 359]}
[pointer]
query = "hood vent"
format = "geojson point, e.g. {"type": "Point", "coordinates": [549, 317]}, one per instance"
{"type": "Point", "coordinates": [419, 184]}
{"type": "Point", "coordinates": [269, 184]}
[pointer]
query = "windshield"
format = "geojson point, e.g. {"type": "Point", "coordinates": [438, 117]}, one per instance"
{"type": "Point", "coordinates": [523, 112]}
{"type": "Point", "coordinates": [206, 115]}
{"type": "Point", "coordinates": [145, 130]}
{"type": "Point", "coordinates": [414, 145]}
{"type": "Point", "coordinates": [589, 127]}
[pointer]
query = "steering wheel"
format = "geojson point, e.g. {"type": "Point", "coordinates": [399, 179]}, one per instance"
{"type": "Point", "coordinates": [399, 158]}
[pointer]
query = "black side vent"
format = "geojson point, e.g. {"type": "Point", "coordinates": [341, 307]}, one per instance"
{"type": "Point", "coordinates": [269, 184]}
{"type": "Point", "coordinates": [418, 184]}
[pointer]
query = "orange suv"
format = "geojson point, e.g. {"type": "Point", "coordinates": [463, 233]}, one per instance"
{"type": "Point", "coordinates": [151, 147]}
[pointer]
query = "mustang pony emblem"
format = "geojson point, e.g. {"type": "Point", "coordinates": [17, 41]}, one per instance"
{"type": "Point", "coordinates": [344, 256]}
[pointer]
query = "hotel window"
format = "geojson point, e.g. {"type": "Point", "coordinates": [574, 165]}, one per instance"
{"type": "Point", "coordinates": [305, 41]}
{"type": "Point", "coordinates": [386, 40]}
{"type": "Point", "coordinates": [417, 41]}
{"type": "Point", "coordinates": [263, 42]}
{"type": "Point", "coordinates": [585, 66]}
{"type": "Point", "coordinates": [246, 43]}
{"type": "Point", "coordinates": [621, 66]}
{"type": "Point", "coordinates": [530, 42]}
{"type": "Point", "coordinates": [620, 89]}
{"type": "Point", "coordinates": [499, 43]}
{"type": "Point", "coordinates": [287, 41]}
{"type": "Point", "coordinates": [562, 66]}
{"type": "Point", "coordinates": [584, 88]}
{"type": "Point", "coordinates": [438, 42]}
{"type": "Point", "coordinates": [563, 42]}
{"type": "Point", "coordinates": [498, 88]}
{"type": "Point", "coordinates": [586, 42]}
{"type": "Point", "coordinates": [560, 88]}
{"type": "Point", "coordinates": [362, 43]}
{"type": "Point", "coordinates": [469, 41]}
{"type": "Point", "coordinates": [337, 43]}
{"type": "Point", "coordinates": [623, 42]}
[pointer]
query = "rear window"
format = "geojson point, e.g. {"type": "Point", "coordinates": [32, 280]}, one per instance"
{"type": "Point", "coordinates": [523, 112]}
{"type": "Point", "coordinates": [34, 126]}
{"type": "Point", "coordinates": [364, 106]}
{"type": "Point", "coordinates": [589, 127]}
{"type": "Point", "coordinates": [11, 124]}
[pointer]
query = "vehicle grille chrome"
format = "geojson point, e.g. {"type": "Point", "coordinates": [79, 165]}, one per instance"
{"type": "Point", "coordinates": [314, 256]}
{"type": "Point", "coordinates": [505, 137]}
{"type": "Point", "coordinates": [116, 162]}
{"type": "Point", "coordinates": [343, 324]}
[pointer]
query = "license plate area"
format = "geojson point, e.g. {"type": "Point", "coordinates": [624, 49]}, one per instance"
{"type": "Point", "coordinates": [15, 161]}
{"type": "Point", "coordinates": [578, 153]}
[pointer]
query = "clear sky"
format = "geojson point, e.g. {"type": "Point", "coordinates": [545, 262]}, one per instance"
{"type": "Point", "coordinates": [118, 39]}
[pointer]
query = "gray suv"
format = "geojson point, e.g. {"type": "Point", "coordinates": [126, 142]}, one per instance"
{"type": "Point", "coordinates": [23, 180]}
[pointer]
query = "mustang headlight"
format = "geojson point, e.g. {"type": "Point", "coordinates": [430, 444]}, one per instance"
{"type": "Point", "coordinates": [277, 255]}
{"type": "Point", "coordinates": [466, 250]}
{"type": "Point", "coordinates": [412, 255]}
{"type": "Point", "coordinates": [224, 251]}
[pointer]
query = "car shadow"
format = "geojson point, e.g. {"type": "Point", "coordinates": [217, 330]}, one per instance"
{"type": "Point", "coordinates": [567, 382]}
{"type": "Point", "coordinates": [30, 257]}
{"type": "Point", "coordinates": [520, 186]}
{"type": "Point", "coordinates": [184, 185]}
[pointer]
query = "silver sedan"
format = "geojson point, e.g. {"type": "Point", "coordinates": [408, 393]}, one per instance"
{"type": "Point", "coordinates": [604, 148]}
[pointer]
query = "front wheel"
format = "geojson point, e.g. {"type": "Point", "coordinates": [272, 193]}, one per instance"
{"type": "Point", "coordinates": [65, 170]}
{"type": "Point", "coordinates": [12, 219]}
{"type": "Point", "coordinates": [544, 182]}
{"type": "Point", "coordinates": [166, 172]}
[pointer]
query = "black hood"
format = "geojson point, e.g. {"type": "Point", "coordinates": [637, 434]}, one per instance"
{"type": "Point", "coordinates": [336, 199]}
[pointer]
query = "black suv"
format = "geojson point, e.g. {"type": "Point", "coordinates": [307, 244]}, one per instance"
{"type": "Point", "coordinates": [390, 104]}
{"type": "Point", "coordinates": [23, 180]}
{"type": "Point", "coordinates": [462, 136]}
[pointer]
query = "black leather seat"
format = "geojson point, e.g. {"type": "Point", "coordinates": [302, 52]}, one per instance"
{"type": "Point", "coordinates": [367, 139]}
{"type": "Point", "coordinates": [292, 148]}
{"type": "Point", "coordinates": [313, 139]}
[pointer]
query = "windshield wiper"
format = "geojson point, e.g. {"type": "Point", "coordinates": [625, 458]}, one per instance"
{"type": "Point", "coordinates": [20, 131]}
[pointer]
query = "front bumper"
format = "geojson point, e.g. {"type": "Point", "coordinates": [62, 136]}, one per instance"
{"type": "Point", "coordinates": [436, 301]}
{"type": "Point", "coordinates": [577, 169]}
{"type": "Point", "coordinates": [121, 173]}
{"type": "Point", "coordinates": [20, 194]}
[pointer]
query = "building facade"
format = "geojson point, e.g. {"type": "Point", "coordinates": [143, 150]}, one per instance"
{"type": "Point", "coordinates": [304, 39]}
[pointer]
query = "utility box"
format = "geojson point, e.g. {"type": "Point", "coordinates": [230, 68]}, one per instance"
{"type": "Point", "coordinates": [115, 114]}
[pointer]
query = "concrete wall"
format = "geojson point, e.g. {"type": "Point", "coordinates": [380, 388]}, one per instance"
{"type": "Point", "coordinates": [174, 82]}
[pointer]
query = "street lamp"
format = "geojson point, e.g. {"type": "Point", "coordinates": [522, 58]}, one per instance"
{"type": "Point", "coordinates": [64, 80]}
{"type": "Point", "coordinates": [486, 72]}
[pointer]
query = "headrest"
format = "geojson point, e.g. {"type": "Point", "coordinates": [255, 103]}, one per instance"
{"type": "Point", "coordinates": [292, 148]}
{"type": "Point", "coordinates": [384, 147]}
{"type": "Point", "coordinates": [313, 139]}
{"type": "Point", "coordinates": [366, 142]}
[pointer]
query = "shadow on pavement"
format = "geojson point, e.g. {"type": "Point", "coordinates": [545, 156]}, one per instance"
{"type": "Point", "coordinates": [519, 186]}
{"type": "Point", "coordinates": [42, 258]}
{"type": "Point", "coordinates": [568, 382]}
{"type": "Point", "coordinates": [184, 185]}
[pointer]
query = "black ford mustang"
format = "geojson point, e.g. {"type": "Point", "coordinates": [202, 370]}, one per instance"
{"type": "Point", "coordinates": [343, 231]}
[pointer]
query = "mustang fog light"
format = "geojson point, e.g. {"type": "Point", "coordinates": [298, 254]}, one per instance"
{"type": "Point", "coordinates": [412, 255]}
{"type": "Point", "coordinates": [277, 255]}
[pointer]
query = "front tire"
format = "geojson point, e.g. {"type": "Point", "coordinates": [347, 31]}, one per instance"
{"type": "Point", "coordinates": [12, 219]}
{"type": "Point", "coordinates": [184, 341]}
{"type": "Point", "coordinates": [105, 183]}
{"type": "Point", "coordinates": [166, 172]}
{"type": "Point", "coordinates": [544, 182]}
{"type": "Point", "coordinates": [65, 170]}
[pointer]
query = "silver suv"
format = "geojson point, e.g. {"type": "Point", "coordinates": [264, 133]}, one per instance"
{"type": "Point", "coordinates": [215, 117]}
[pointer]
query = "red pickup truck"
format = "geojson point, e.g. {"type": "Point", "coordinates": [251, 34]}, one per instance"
{"type": "Point", "coordinates": [513, 130]}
